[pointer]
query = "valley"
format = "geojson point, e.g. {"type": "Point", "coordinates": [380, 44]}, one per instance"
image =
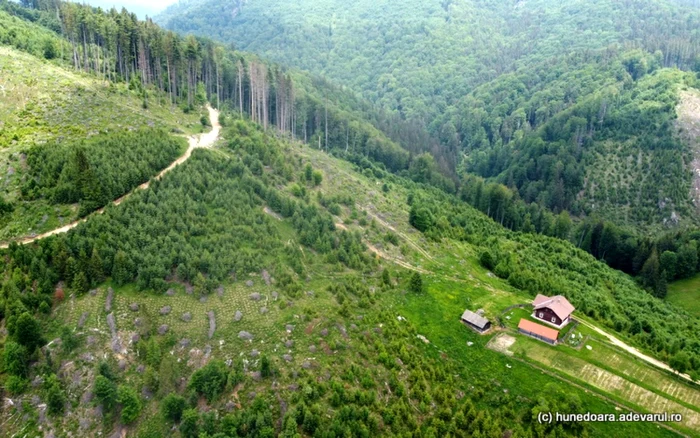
{"type": "Point", "coordinates": [199, 242]}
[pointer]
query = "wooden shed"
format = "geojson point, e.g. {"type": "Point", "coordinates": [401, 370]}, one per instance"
{"type": "Point", "coordinates": [476, 321]}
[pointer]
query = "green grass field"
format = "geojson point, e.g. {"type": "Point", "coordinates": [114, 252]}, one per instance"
{"type": "Point", "coordinates": [686, 294]}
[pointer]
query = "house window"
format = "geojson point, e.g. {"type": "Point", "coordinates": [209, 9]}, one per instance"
{"type": "Point", "coordinates": [541, 314]}
{"type": "Point", "coordinates": [554, 319]}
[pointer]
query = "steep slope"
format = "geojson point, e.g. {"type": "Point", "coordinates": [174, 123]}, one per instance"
{"type": "Point", "coordinates": [236, 307]}
{"type": "Point", "coordinates": [488, 76]}
{"type": "Point", "coordinates": [46, 107]}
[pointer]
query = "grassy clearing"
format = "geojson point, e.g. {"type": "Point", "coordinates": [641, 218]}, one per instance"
{"type": "Point", "coordinates": [686, 294]}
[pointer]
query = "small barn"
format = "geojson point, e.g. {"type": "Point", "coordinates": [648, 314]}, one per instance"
{"type": "Point", "coordinates": [476, 321]}
{"type": "Point", "coordinates": [555, 311]}
{"type": "Point", "coordinates": [538, 331]}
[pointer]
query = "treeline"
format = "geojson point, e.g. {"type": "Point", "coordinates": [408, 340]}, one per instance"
{"type": "Point", "coordinates": [118, 47]}
{"type": "Point", "coordinates": [622, 248]}
{"type": "Point", "coordinates": [98, 170]}
{"type": "Point", "coordinates": [541, 264]}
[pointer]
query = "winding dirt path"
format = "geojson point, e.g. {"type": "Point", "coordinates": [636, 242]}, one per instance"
{"type": "Point", "coordinates": [634, 352]}
{"type": "Point", "coordinates": [205, 140]}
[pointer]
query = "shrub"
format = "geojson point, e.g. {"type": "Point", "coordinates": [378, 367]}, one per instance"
{"type": "Point", "coordinates": [172, 407]}
{"type": "Point", "coordinates": [210, 380]}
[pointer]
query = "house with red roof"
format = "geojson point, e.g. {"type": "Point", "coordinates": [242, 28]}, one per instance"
{"type": "Point", "coordinates": [555, 311]}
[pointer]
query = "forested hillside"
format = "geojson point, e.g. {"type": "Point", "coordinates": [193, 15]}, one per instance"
{"type": "Point", "coordinates": [305, 276]}
{"type": "Point", "coordinates": [537, 95]}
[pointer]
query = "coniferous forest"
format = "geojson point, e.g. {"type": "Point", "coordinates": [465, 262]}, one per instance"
{"type": "Point", "coordinates": [376, 169]}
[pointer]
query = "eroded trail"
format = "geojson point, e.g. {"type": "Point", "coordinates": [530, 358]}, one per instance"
{"type": "Point", "coordinates": [633, 351]}
{"type": "Point", "coordinates": [205, 140]}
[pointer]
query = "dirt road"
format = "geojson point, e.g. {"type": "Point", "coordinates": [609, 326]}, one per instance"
{"type": "Point", "coordinates": [634, 352]}
{"type": "Point", "coordinates": [205, 140]}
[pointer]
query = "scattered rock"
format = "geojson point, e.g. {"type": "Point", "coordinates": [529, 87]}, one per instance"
{"type": "Point", "coordinates": [399, 362]}
{"type": "Point", "coordinates": [122, 365]}
{"type": "Point", "coordinates": [134, 307]}
{"type": "Point", "coordinates": [165, 310]}
{"type": "Point", "coordinates": [310, 293]}
{"type": "Point", "coordinates": [342, 330]}
{"type": "Point", "coordinates": [230, 406]}
{"type": "Point", "coordinates": [255, 296]}
{"type": "Point", "coordinates": [220, 291]}
{"type": "Point", "coordinates": [275, 295]}
{"type": "Point", "coordinates": [203, 299]}
{"type": "Point", "coordinates": [170, 292]}
{"type": "Point", "coordinates": [86, 397]}
{"type": "Point", "coordinates": [112, 324]}
{"type": "Point", "coordinates": [353, 327]}
{"type": "Point", "coordinates": [256, 375]}
{"type": "Point", "coordinates": [252, 395]}
{"type": "Point", "coordinates": [140, 369]}
{"type": "Point", "coordinates": [254, 353]}
{"type": "Point", "coordinates": [37, 381]}
{"type": "Point", "coordinates": [184, 343]}
{"type": "Point", "coordinates": [245, 336]}
{"type": "Point", "coordinates": [138, 322]}
{"type": "Point", "coordinates": [187, 317]}
{"type": "Point", "coordinates": [189, 289]}
{"type": "Point", "coordinates": [289, 328]}
{"type": "Point", "coordinates": [293, 387]}
{"type": "Point", "coordinates": [163, 329]}
{"type": "Point", "coordinates": [135, 338]}
{"type": "Point", "coordinates": [83, 318]}
{"type": "Point", "coordinates": [238, 316]}
{"type": "Point", "coordinates": [110, 298]}
{"type": "Point", "coordinates": [324, 332]}
{"type": "Point", "coordinates": [10, 170]}
{"type": "Point", "coordinates": [289, 343]}
{"type": "Point", "coordinates": [249, 283]}
{"type": "Point", "coordinates": [266, 277]}
{"type": "Point", "coordinates": [306, 365]}
{"type": "Point", "coordinates": [212, 323]}
{"type": "Point", "coordinates": [90, 341]}
{"type": "Point", "coordinates": [93, 292]}
{"type": "Point", "coordinates": [312, 348]}
{"type": "Point", "coordinates": [263, 310]}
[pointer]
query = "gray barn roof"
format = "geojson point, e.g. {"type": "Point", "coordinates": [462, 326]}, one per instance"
{"type": "Point", "coordinates": [474, 319]}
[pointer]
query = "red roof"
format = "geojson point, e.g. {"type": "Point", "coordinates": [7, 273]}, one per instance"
{"type": "Point", "coordinates": [538, 329]}
{"type": "Point", "coordinates": [558, 304]}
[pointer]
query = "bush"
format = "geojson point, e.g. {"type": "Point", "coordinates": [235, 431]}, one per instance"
{"type": "Point", "coordinates": [131, 404]}
{"type": "Point", "coordinates": [210, 380]}
{"type": "Point", "coordinates": [15, 359]}
{"type": "Point", "coordinates": [172, 407]}
{"type": "Point", "coordinates": [16, 385]}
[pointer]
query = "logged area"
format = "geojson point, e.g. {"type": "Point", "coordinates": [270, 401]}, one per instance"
{"type": "Point", "coordinates": [459, 218]}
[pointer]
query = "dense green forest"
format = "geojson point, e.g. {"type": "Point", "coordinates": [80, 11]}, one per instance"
{"type": "Point", "coordinates": [535, 95]}
{"type": "Point", "coordinates": [204, 225]}
{"type": "Point", "coordinates": [558, 126]}
{"type": "Point", "coordinates": [255, 213]}
{"type": "Point", "coordinates": [96, 171]}
{"type": "Point", "coordinates": [118, 47]}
